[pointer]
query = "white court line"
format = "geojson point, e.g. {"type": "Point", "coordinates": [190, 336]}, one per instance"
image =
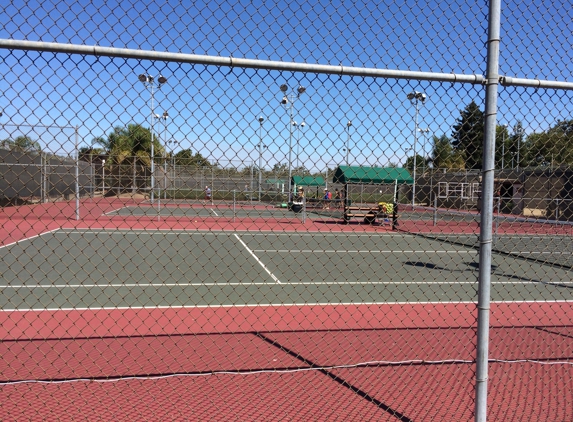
{"type": "Point", "coordinates": [29, 238]}
{"type": "Point", "coordinates": [214, 212]}
{"type": "Point", "coordinates": [295, 283]}
{"type": "Point", "coordinates": [265, 233]}
{"type": "Point", "coordinates": [116, 210]}
{"type": "Point", "coordinates": [360, 251]}
{"type": "Point", "coordinates": [139, 232]}
{"type": "Point", "coordinates": [258, 260]}
{"type": "Point", "coordinates": [282, 304]}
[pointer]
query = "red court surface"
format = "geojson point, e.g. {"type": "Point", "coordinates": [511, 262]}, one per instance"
{"type": "Point", "coordinates": [24, 221]}
{"type": "Point", "coordinates": [400, 368]}
{"type": "Point", "coordinates": [302, 396]}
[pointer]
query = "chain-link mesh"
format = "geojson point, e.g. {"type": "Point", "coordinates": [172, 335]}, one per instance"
{"type": "Point", "coordinates": [242, 211]}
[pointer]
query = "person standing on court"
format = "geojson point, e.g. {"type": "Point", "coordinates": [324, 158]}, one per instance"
{"type": "Point", "coordinates": [208, 195]}
{"type": "Point", "coordinates": [300, 196]}
{"type": "Point", "coordinates": [327, 198]}
{"type": "Point", "coordinates": [337, 198]}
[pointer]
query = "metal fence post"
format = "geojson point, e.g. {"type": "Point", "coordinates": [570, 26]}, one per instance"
{"type": "Point", "coordinates": [485, 246]}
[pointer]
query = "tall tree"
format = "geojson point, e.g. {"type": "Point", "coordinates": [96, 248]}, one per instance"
{"type": "Point", "coordinates": [102, 142]}
{"type": "Point", "coordinates": [467, 135]}
{"type": "Point", "coordinates": [420, 163]}
{"type": "Point", "coordinates": [185, 157]}
{"type": "Point", "coordinates": [551, 147]}
{"type": "Point", "coordinates": [131, 143]}
{"type": "Point", "coordinates": [444, 156]}
{"type": "Point", "coordinates": [21, 144]}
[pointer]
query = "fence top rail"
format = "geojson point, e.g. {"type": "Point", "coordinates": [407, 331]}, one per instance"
{"type": "Point", "coordinates": [238, 62]}
{"type": "Point", "coordinates": [275, 65]}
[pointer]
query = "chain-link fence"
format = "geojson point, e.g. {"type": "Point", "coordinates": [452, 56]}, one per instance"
{"type": "Point", "coordinates": [286, 211]}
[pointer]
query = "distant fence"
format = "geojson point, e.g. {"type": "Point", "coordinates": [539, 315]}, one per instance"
{"type": "Point", "coordinates": [33, 177]}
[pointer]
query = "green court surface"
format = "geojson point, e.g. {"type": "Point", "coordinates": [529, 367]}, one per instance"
{"type": "Point", "coordinates": [80, 269]}
{"type": "Point", "coordinates": [220, 211]}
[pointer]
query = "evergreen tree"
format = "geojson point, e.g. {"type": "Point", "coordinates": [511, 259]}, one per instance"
{"type": "Point", "coordinates": [467, 135]}
{"type": "Point", "coordinates": [444, 156]}
{"type": "Point", "coordinates": [185, 157]}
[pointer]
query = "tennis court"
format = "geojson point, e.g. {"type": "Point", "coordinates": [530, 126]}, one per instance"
{"type": "Point", "coordinates": [349, 316]}
{"type": "Point", "coordinates": [123, 268]}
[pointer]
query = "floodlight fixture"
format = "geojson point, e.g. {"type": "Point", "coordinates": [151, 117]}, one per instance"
{"type": "Point", "coordinates": [142, 78]}
{"type": "Point", "coordinates": [301, 89]}
{"type": "Point", "coordinates": [415, 95]}
{"type": "Point", "coordinates": [284, 88]}
{"type": "Point", "coordinates": [261, 119]}
{"type": "Point", "coordinates": [162, 79]}
{"type": "Point", "coordinates": [165, 115]}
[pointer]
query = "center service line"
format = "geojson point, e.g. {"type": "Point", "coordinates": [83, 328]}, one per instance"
{"type": "Point", "coordinates": [258, 260]}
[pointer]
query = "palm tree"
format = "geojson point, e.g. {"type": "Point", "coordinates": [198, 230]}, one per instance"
{"type": "Point", "coordinates": [23, 144]}
{"type": "Point", "coordinates": [127, 148]}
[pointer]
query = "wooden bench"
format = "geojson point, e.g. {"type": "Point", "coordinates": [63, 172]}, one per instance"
{"type": "Point", "coordinates": [369, 212]}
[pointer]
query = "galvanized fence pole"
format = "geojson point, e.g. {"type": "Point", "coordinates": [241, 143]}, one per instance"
{"type": "Point", "coordinates": [485, 247]}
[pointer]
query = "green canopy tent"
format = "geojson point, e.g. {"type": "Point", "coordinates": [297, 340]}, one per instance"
{"type": "Point", "coordinates": [308, 181]}
{"type": "Point", "coordinates": [279, 183]}
{"type": "Point", "coordinates": [371, 175]}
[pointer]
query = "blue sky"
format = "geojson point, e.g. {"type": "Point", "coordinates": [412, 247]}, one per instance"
{"type": "Point", "coordinates": [215, 110]}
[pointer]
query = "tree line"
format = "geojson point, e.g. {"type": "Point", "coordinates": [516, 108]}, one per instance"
{"type": "Point", "coordinates": [463, 150]}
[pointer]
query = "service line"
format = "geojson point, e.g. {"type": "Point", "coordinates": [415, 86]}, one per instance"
{"type": "Point", "coordinates": [258, 260]}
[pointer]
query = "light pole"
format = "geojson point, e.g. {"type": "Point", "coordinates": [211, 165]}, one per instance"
{"type": "Point", "coordinates": [298, 127]}
{"type": "Point", "coordinates": [172, 143]}
{"type": "Point", "coordinates": [348, 142]}
{"type": "Point", "coordinates": [261, 120]}
{"type": "Point", "coordinates": [149, 82]}
{"type": "Point", "coordinates": [164, 117]}
{"type": "Point", "coordinates": [290, 99]}
{"type": "Point", "coordinates": [425, 131]}
{"type": "Point", "coordinates": [415, 97]}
